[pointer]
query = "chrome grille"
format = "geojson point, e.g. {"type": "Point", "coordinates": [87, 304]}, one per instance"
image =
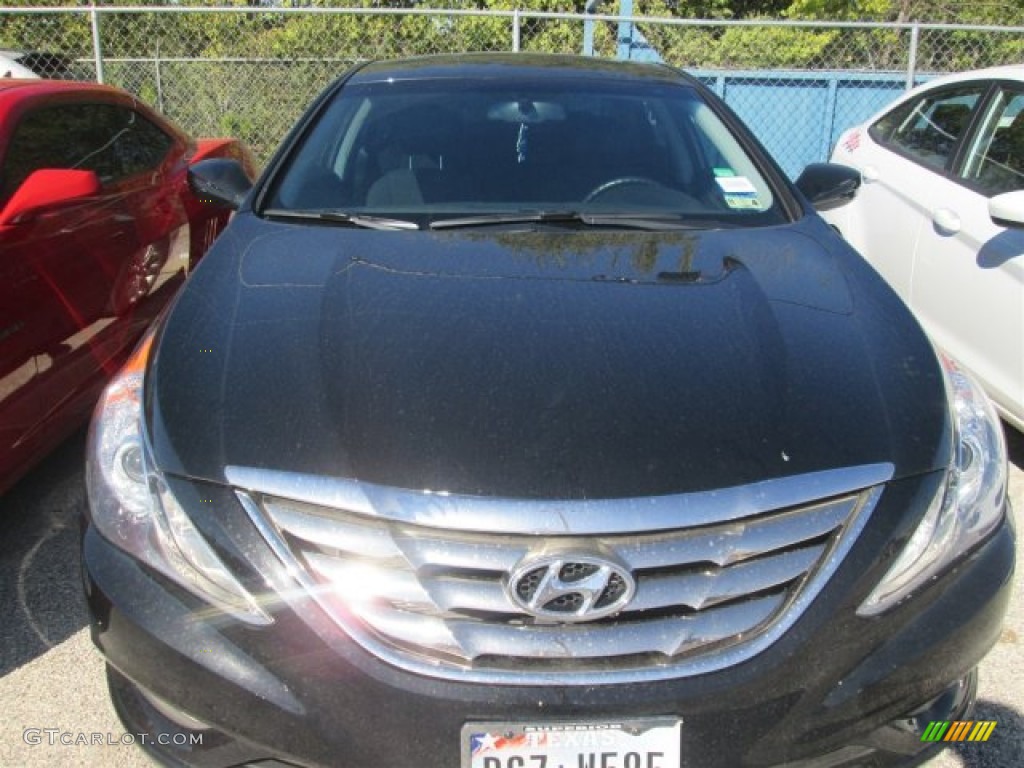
{"type": "Point", "coordinates": [439, 600]}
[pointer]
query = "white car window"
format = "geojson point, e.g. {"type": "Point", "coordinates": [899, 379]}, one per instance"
{"type": "Point", "coordinates": [928, 128]}
{"type": "Point", "coordinates": [995, 163]}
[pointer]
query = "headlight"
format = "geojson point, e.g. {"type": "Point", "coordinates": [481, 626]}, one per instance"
{"type": "Point", "coordinates": [132, 507]}
{"type": "Point", "coordinates": [967, 507]}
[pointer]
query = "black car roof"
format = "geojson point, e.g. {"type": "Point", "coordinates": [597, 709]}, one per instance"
{"type": "Point", "coordinates": [515, 65]}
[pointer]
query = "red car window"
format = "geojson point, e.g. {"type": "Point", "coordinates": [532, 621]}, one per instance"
{"type": "Point", "coordinates": [115, 142]}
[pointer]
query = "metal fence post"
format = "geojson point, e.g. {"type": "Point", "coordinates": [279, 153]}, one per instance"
{"type": "Point", "coordinates": [159, 79]}
{"type": "Point", "coordinates": [915, 34]}
{"type": "Point", "coordinates": [588, 37]}
{"type": "Point", "coordinates": [829, 115]}
{"type": "Point", "coordinates": [625, 29]}
{"type": "Point", "coordinates": [515, 30]}
{"type": "Point", "coordinates": [97, 48]}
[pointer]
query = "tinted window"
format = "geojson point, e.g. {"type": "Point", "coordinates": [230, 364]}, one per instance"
{"type": "Point", "coordinates": [929, 127]}
{"type": "Point", "coordinates": [115, 142]}
{"type": "Point", "coordinates": [141, 145]}
{"type": "Point", "coordinates": [995, 162]}
{"type": "Point", "coordinates": [444, 147]}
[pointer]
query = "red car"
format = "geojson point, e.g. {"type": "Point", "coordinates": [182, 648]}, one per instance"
{"type": "Point", "coordinates": [98, 228]}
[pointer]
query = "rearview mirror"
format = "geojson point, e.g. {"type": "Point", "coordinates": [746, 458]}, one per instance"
{"type": "Point", "coordinates": [1007, 210]}
{"type": "Point", "coordinates": [828, 185]}
{"type": "Point", "coordinates": [219, 180]}
{"type": "Point", "coordinates": [48, 188]}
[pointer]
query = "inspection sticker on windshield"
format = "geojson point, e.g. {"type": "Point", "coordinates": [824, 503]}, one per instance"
{"type": "Point", "coordinates": [736, 185]}
{"type": "Point", "coordinates": [648, 743]}
{"type": "Point", "coordinates": [743, 202]}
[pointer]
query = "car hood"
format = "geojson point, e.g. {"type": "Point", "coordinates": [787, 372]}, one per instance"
{"type": "Point", "coordinates": [552, 364]}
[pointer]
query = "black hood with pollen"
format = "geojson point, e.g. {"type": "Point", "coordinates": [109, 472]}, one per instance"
{"type": "Point", "coordinates": [553, 364]}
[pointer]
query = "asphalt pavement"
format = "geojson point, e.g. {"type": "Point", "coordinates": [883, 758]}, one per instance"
{"type": "Point", "coordinates": [52, 687]}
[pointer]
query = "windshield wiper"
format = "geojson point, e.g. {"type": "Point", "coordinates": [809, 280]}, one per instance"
{"type": "Point", "coordinates": [340, 217]}
{"type": "Point", "coordinates": [655, 221]}
{"type": "Point", "coordinates": [514, 217]}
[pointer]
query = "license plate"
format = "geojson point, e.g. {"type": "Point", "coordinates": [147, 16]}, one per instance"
{"type": "Point", "coordinates": [647, 743]}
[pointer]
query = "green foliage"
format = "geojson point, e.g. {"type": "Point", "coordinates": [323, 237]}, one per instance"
{"type": "Point", "coordinates": [38, 32]}
{"type": "Point", "coordinates": [750, 47]}
{"type": "Point", "coordinates": [250, 73]}
{"type": "Point", "coordinates": [841, 10]}
{"type": "Point", "coordinates": [998, 12]}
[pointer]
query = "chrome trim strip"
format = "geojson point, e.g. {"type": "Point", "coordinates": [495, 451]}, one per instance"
{"type": "Point", "coordinates": [368, 581]}
{"type": "Point", "coordinates": [366, 540]}
{"type": "Point", "coordinates": [738, 541]}
{"type": "Point", "coordinates": [698, 590]}
{"type": "Point", "coordinates": [469, 595]}
{"type": "Point", "coordinates": [607, 641]}
{"type": "Point", "coordinates": [472, 552]}
{"type": "Point", "coordinates": [452, 512]}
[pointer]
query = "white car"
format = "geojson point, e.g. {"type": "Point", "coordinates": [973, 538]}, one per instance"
{"type": "Point", "coordinates": [11, 67]}
{"type": "Point", "coordinates": [940, 215]}
{"type": "Point", "coordinates": [36, 64]}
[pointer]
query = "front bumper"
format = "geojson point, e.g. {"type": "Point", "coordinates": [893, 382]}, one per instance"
{"type": "Point", "coordinates": [836, 690]}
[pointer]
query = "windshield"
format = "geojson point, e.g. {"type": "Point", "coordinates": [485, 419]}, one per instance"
{"type": "Point", "coordinates": [459, 152]}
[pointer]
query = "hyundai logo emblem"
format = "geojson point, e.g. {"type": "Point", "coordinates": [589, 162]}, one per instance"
{"type": "Point", "coordinates": [570, 588]}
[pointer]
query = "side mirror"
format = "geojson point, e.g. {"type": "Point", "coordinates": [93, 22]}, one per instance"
{"type": "Point", "coordinates": [1007, 210]}
{"type": "Point", "coordinates": [48, 188]}
{"type": "Point", "coordinates": [219, 180]}
{"type": "Point", "coordinates": [828, 185]}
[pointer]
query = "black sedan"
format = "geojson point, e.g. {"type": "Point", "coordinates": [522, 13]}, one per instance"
{"type": "Point", "coordinates": [526, 415]}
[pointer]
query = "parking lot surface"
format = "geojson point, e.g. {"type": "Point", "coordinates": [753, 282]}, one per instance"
{"type": "Point", "coordinates": [52, 689]}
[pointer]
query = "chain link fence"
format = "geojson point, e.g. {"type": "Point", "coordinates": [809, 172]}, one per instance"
{"type": "Point", "coordinates": [249, 72]}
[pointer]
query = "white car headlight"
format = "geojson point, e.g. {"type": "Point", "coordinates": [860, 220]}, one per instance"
{"type": "Point", "coordinates": [968, 505]}
{"type": "Point", "coordinates": [132, 507]}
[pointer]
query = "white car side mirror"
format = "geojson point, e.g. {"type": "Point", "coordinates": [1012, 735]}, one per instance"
{"type": "Point", "coordinates": [1007, 210]}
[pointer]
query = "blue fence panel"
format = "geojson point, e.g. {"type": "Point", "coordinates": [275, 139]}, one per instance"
{"type": "Point", "coordinates": [799, 116]}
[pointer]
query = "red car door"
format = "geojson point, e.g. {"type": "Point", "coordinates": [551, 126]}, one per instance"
{"type": "Point", "coordinates": [75, 279]}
